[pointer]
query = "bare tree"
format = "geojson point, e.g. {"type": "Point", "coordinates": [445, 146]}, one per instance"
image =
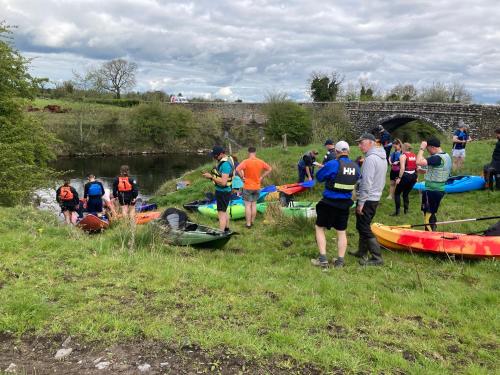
{"type": "Point", "coordinates": [114, 76]}
{"type": "Point", "coordinates": [440, 92]}
{"type": "Point", "coordinates": [403, 93]}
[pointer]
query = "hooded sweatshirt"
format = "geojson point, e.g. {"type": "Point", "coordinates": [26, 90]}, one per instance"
{"type": "Point", "coordinates": [373, 173]}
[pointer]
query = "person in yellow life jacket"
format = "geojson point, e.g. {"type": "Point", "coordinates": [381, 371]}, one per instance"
{"type": "Point", "coordinates": [222, 177]}
{"type": "Point", "coordinates": [68, 200]}
{"type": "Point", "coordinates": [126, 191]}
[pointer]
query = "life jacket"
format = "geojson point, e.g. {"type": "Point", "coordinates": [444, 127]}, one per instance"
{"type": "Point", "coordinates": [124, 184]}
{"type": "Point", "coordinates": [216, 171]}
{"type": "Point", "coordinates": [346, 178]}
{"type": "Point", "coordinates": [440, 173]}
{"type": "Point", "coordinates": [65, 194]}
{"type": "Point", "coordinates": [95, 189]}
{"type": "Point", "coordinates": [411, 162]}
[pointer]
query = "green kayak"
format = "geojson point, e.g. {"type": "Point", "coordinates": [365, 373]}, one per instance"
{"type": "Point", "coordinates": [196, 235]}
{"type": "Point", "coordinates": [235, 211]}
{"type": "Point", "coordinates": [294, 209]}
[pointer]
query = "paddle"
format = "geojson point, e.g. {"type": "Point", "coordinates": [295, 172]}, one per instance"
{"type": "Point", "coordinates": [446, 222]}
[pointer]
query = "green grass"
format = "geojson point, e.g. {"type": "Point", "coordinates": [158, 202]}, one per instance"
{"type": "Point", "coordinates": [259, 297]}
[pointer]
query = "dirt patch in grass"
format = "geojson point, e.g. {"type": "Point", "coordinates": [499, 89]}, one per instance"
{"type": "Point", "coordinates": [35, 355]}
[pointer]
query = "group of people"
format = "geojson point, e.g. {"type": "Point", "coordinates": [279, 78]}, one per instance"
{"type": "Point", "coordinates": [96, 200]}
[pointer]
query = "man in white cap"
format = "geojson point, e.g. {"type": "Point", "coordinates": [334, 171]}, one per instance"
{"type": "Point", "coordinates": [340, 176]}
{"type": "Point", "coordinates": [460, 139]}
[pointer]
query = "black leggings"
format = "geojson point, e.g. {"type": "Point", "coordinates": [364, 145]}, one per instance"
{"type": "Point", "coordinates": [405, 185]}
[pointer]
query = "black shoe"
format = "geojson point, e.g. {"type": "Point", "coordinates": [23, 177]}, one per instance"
{"type": "Point", "coordinates": [395, 214]}
{"type": "Point", "coordinates": [248, 226]}
{"type": "Point", "coordinates": [405, 211]}
{"type": "Point", "coordinates": [357, 254]}
{"type": "Point", "coordinates": [226, 230]}
{"type": "Point", "coordinates": [339, 263]}
{"type": "Point", "coordinates": [373, 261]}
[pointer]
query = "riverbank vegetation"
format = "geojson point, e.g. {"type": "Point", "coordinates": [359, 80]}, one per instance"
{"type": "Point", "coordinates": [258, 298]}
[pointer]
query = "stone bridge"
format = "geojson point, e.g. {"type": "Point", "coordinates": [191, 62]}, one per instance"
{"type": "Point", "coordinates": [364, 116]}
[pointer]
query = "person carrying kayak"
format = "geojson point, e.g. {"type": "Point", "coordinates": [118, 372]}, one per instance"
{"type": "Point", "coordinates": [93, 192]}
{"type": "Point", "coordinates": [394, 163]}
{"type": "Point", "coordinates": [252, 170]}
{"type": "Point", "coordinates": [460, 139]}
{"type": "Point", "coordinates": [492, 170]}
{"type": "Point", "coordinates": [407, 177]}
{"type": "Point", "coordinates": [438, 171]}
{"type": "Point", "coordinates": [369, 191]}
{"type": "Point", "coordinates": [68, 200]}
{"type": "Point", "coordinates": [222, 177]}
{"type": "Point", "coordinates": [125, 189]}
{"type": "Point", "coordinates": [306, 164]}
{"type": "Point", "coordinates": [340, 176]}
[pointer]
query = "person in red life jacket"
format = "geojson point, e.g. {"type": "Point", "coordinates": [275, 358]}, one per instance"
{"type": "Point", "coordinates": [394, 163]}
{"type": "Point", "coordinates": [126, 191]}
{"type": "Point", "coordinates": [67, 197]}
{"type": "Point", "coordinates": [407, 177]}
{"type": "Point", "coordinates": [93, 193]}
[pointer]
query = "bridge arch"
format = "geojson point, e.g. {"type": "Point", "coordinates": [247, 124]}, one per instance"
{"type": "Point", "coordinates": [395, 121]}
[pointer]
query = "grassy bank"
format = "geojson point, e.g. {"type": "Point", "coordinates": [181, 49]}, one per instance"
{"type": "Point", "coordinates": [259, 297]}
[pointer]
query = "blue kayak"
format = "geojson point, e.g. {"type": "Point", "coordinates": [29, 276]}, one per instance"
{"type": "Point", "coordinates": [458, 184]}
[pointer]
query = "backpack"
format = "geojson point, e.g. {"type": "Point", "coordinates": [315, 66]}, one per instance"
{"type": "Point", "coordinates": [174, 218]}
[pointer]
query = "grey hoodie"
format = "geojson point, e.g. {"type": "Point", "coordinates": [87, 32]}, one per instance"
{"type": "Point", "coordinates": [373, 174]}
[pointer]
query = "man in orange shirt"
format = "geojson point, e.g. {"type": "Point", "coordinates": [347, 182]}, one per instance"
{"type": "Point", "coordinates": [250, 171]}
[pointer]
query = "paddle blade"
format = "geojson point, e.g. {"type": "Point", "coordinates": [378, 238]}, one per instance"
{"type": "Point", "coordinates": [269, 189]}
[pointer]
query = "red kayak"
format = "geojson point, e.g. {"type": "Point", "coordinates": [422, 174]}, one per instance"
{"type": "Point", "coordinates": [92, 223]}
{"type": "Point", "coordinates": [471, 246]}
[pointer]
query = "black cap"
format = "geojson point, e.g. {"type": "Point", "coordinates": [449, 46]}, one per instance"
{"type": "Point", "coordinates": [433, 141]}
{"type": "Point", "coordinates": [328, 142]}
{"type": "Point", "coordinates": [364, 136]}
{"type": "Point", "coordinates": [217, 150]}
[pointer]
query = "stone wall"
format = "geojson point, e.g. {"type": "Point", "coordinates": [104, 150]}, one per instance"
{"type": "Point", "coordinates": [364, 116]}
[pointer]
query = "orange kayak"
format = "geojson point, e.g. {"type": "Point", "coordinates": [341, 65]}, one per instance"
{"type": "Point", "coordinates": [91, 223]}
{"type": "Point", "coordinates": [471, 246]}
{"type": "Point", "coordinates": [146, 217]}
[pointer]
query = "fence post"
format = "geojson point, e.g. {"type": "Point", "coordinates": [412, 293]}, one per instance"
{"type": "Point", "coordinates": [285, 145]}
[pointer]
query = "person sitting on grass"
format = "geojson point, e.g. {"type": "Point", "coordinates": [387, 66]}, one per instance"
{"type": "Point", "coordinates": [68, 200]}
{"type": "Point", "coordinates": [340, 176]}
{"type": "Point", "coordinates": [126, 191]}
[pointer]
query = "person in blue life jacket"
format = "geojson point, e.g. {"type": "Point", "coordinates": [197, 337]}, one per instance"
{"type": "Point", "coordinates": [438, 171]}
{"type": "Point", "coordinates": [305, 166]}
{"type": "Point", "coordinates": [222, 177]}
{"type": "Point", "coordinates": [93, 192]}
{"type": "Point", "coordinates": [394, 164]}
{"type": "Point", "coordinates": [384, 137]}
{"type": "Point", "coordinates": [460, 139]}
{"type": "Point", "coordinates": [340, 176]}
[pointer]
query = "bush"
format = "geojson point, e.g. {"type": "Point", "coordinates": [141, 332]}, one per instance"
{"type": "Point", "coordinates": [331, 122]}
{"type": "Point", "coordinates": [286, 117]}
{"type": "Point", "coordinates": [416, 131]}
{"type": "Point", "coordinates": [126, 103]}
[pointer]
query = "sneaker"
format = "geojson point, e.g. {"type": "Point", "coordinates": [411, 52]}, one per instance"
{"type": "Point", "coordinates": [317, 263]}
{"type": "Point", "coordinates": [248, 226]}
{"type": "Point", "coordinates": [339, 263]}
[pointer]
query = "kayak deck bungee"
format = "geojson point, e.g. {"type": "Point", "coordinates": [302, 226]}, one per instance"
{"type": "Point", "coordinates": [458, 184]}
{"type": "Point", "coordinates": [404, 239]}
{"type": "Point", "coordinates": [92, 223]}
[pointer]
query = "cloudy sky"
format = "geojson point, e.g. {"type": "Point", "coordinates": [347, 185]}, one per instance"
{"type": "Point", "coordinates": [247, 48]}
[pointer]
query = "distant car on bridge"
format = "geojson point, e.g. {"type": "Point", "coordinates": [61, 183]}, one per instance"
{"type": "Point", "coordinates": [178, 99]}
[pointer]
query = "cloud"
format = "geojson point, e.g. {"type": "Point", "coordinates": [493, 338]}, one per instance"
{"type": "Point", "coordinates": [225, 91]}
{"type": "Point", "coordinates": [255, 46]}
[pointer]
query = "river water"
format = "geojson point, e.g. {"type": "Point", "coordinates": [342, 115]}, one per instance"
{"type": "Point", "coordinates": [150, 171]}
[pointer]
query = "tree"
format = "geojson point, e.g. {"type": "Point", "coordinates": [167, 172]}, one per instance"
{"type": "Point", "coordinates": [24, 145]}
{"type": "Point", "coordinates": [325, 88]}
{"type": "Point", "coordinates": [114, 76]}
{"type": "Point", "coordinates": [445, 93]}
{"type": "Point", "coordinates": [400, 92]}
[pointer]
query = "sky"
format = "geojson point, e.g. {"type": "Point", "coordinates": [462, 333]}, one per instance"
{"type": "Point", "coordinates": [248, 49]}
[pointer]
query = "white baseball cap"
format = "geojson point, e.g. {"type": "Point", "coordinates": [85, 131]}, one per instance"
{"type": "Point", "coordinates": [342, 146]}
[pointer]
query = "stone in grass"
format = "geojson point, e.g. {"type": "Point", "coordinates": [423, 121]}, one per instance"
{"type": "Point", "coordinates": [102, 365]}
{"type": "Point", "coordinates": [144, 367]}
{"type": "Point", "coordinates": [63, 353]}
{"type": "Point", "coordinates": [12, 369]}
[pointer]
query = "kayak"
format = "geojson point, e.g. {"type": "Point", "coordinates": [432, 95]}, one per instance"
{"type": "Point", "coordinates": [146, 207]}
{"type": "Point", "coordinates": [236, 210]}
{"type": "Point", "coordinates": [197, 235]}
{"type": "Point", "coordinates": [472, 246]}
{"type": "Point", "coordinates": [146, 217]}
{"type": "Point", "coordinates": [92, 223]}
{"type": "Point", "coordinates": [289, 189]}
{"type": "Point", "coordinates": [294, 209]}
{"type": "Point", "coordinates": [193, 206]}
{"type": "Point", "coordinates": [458, 184]}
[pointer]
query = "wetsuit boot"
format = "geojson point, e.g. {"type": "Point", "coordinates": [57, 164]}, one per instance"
{"type": "Point", "coordinates": [362, 249]}
{"type": "Point", "coordinates": [376, 254]}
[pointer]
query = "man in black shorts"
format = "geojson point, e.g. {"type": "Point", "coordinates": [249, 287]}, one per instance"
{"type": "Point", "coordinates": [340, 176]}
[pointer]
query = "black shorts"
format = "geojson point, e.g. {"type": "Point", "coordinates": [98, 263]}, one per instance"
{"type": "Point", "coordinates": [431, 200]}
{"type": "Point", "coordinates": [69, 206]}
{"type": "Point", "coordinates": [125, 199]}
{"type": "Point", "coordinates": [329, 216]}
{"type": "Point", "coordinates": [393, 175]}
{"type": "Point", "coordinates": [222, 198]}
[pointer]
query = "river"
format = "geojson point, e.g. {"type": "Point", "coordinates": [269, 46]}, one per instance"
{"type": "Point", "coordinates": [150, 171]}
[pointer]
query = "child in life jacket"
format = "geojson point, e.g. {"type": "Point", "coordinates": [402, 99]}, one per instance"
{"type": "Point", "coordinates": [126, 191]}
{"type": "Point", "coordinates": [68, 200]}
